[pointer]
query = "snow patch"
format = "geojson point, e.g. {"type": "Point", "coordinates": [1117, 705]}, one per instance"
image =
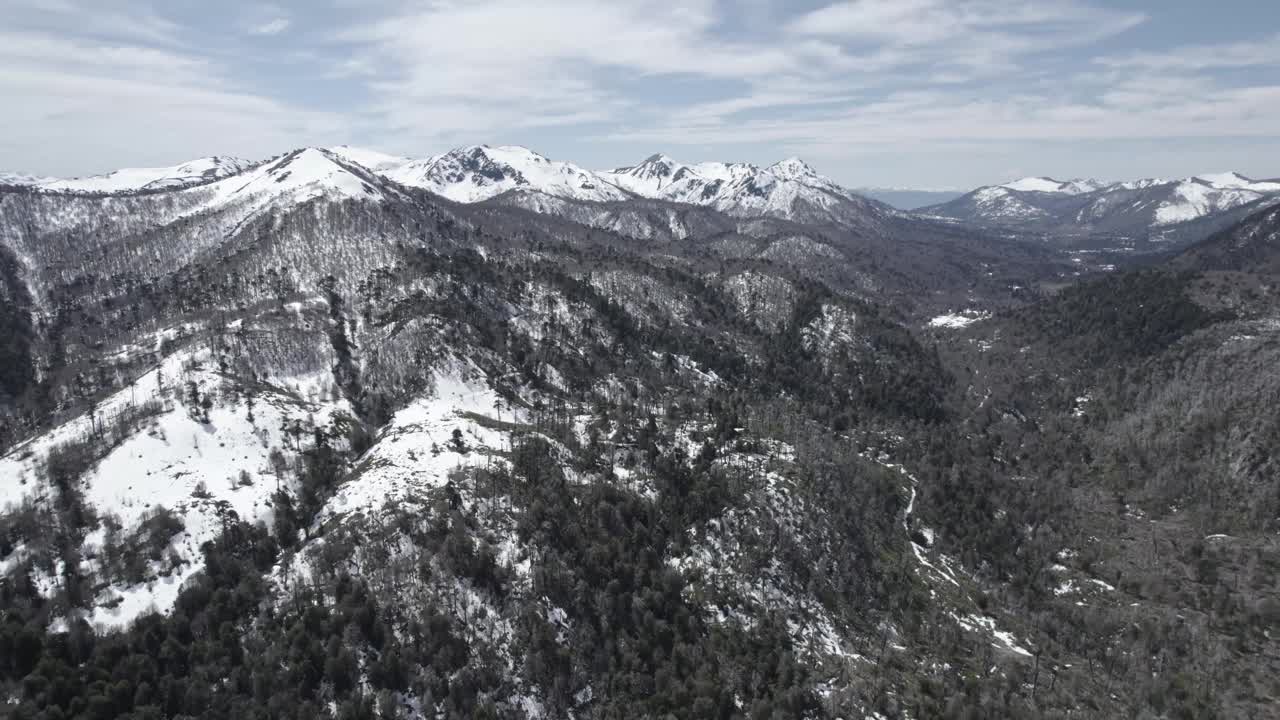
{"type": "Point", "coordinates": [956, 321]}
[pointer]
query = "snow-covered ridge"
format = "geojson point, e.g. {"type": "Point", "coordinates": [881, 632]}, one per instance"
{"type": "Point", "coordinates": [15, 178]}
{"type": "Point", "coordinates": [301, 174]}
{"type": "Point", "coordinates": [650, 177]}
{"type": "Point", "coordinates": [480, 172]}
{"type": "Point", "coordinates": [1134, 206]}
{"type": "Point", "coordinates": [788, 189]}
{"type": "Point", "coordinates": [128, 180]}
{"type": "Point", "coordinates": [1217, 181]}
{"type": "Point", "coordinates": [1049, 185]}
{"type": "Point", "coordinates": [1195, 197]}
{"type": "Point", "coordinates": [1236, 180]}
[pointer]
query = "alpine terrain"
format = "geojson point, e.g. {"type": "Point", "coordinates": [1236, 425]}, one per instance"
{"type": "Point", "coordinates": [490, 435]}
{"type": "Point", "coordinates": [1147, 214]}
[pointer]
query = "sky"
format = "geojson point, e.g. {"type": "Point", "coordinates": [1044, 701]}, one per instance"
{"type": "Point", "coordinates": [926, 94]}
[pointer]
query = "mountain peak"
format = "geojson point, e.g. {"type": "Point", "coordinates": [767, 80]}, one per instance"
{"type": "Point", "coordinates": [1034, 184]}
{"type": "Point", "coordinates": [652, 176]}
{"type": "Point", "coordinates": [304, 173]}
{"type": "Point", "coordinates": [656, 165]}
{"type": "Point", "coordinates": [657, 158]}
{"type": "Point", "coordinates": [479, 172]}
{"type": "Point", "coordinates": [792, 167]}
{"type": "Point", "coordinates": [513, 154]}
{"type": "Point", "coordinates": [1044, 184]}
{"type": "Point", "coordinates": [1229, 179]}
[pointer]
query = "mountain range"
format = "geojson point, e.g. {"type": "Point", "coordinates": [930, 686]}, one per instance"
{"type": "Point", "coordinates": [341, 433]}
{"type": "Point", "coordinates": [1152, 209]}
{"type": "Point", "coordinates": [1149, 208]}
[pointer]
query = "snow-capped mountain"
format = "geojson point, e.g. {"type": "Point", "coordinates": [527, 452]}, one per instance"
{"type": "Point", "coordinates": [1236, 180]}
{"type": "Point", "coordinates": [1049, 185]}
{"type": "Point", "coordinates": [480, 172]}
{"type": "Point", "coordinates": [1144, 207]}
{"type": "Point", "coordinates": [22, 179]}
{"type": "Point", "coordinates": [651, 177]}
{"type": "Point", "coordinates": [299, 188]}
{"type": "Point", "coordinates": [790, 189]}
{"type": "Point", "coordinates": [299, 176]}
{"type": "Point", "coordinates": [129, 180]}
{"type": "Point", "coordinates": [1205, 195]}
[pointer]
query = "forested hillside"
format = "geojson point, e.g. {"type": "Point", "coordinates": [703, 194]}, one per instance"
{"type": "Point", "coordinates": [323, 443]}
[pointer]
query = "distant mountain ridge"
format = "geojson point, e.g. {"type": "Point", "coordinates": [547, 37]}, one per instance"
{"type": "Point", "coordinates": [789, 190]}
{"type": "Point", "coordinates": [480, 172]}
{"type": "Point", "coordinates": [908, 198]}
{"type": "Point", "coordinates": [127, 180]}
{"type": "Point", "coordinates": [1153, 208]}
{"type": "Point", "coordinates": [1146, 207]}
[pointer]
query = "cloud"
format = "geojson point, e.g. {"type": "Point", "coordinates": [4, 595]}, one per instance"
{"type": "Point", "coordinates": [968, 37]}
{"type": "Point", "coordinates": [137, 81]}
{"type": "Point", "coordinates": [916, 22]}
{"type": "Point", "coordinates": [480, 67]}
{"type": "Point", "coordinates": [1254, 53]}
{"type": "Point", "coordinates": [443, 69]}
{"type": "Point", "coordinates": [922, 119]}
{"type": "Point", "coordinates": [274, 26]}
{"type": "Point", "coordinates": [118, 20]}
{"type": "Point", "coordinates": [88, 104]}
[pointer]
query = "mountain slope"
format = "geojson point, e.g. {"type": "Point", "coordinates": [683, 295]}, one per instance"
{"type": "Point", "coordinates": [1155, 390]}
{"type": "Point", "coordinates": [414, 427]}
{"type": "Point", "coordinates": [1252, 246]}
{"type": "Point", "coordinates": [150, 235]}
{"type": "Point", "coordinates": [370, 452]}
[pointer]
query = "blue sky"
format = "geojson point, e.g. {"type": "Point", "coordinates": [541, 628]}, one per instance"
{"type": "Point", "coordinates": [908, 93]}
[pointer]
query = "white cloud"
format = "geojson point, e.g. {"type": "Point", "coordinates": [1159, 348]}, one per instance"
{"type": "Point", "coordinates": [966, 38]}
{"type": "Point", "coordinates": [927, 118]}
{"type": "Point", "coordinates": [86, 104]}
{"type": "Point", "coordinates": [482, 67]}
{"type": "Point", "coordinates": [108, 20]}
{"type": "Point", "coordinates": [1253, 53]}
{"type": "Point", "coordinates": [1014, 25]}
{"type": "Point", "coordinates": [447, 69]}
{"type": "Point", "coordinates": [274, 26]}
{"type": "Point", "coordinates": [130, 84]}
